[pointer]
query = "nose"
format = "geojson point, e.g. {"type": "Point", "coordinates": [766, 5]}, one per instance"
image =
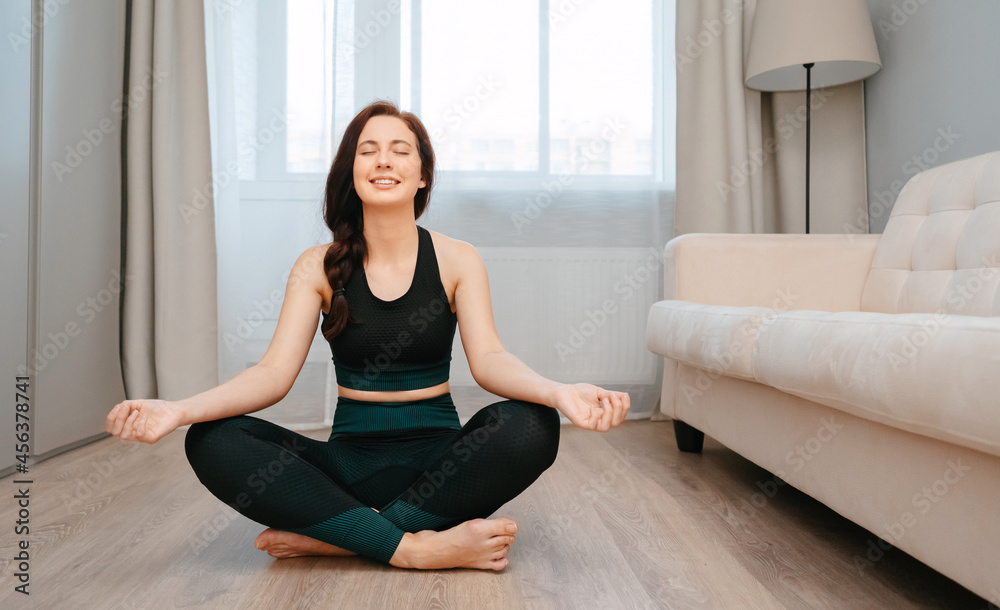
{"type": "Point", "coordinates": [383, 159]}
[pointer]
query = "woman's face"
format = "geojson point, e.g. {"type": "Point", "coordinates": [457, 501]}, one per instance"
{"type": "Point", "coordinates": [387, 162]}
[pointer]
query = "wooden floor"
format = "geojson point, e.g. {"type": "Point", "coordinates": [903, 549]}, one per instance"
{"type": "Point", "coordinates": [622, 520]}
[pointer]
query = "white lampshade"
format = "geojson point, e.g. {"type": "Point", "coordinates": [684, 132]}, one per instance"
{"type": "Point", "coordinates": [835, 35]}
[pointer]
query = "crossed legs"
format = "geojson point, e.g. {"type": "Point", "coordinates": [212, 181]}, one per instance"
{"type": "Point", "coordinates": [402, 499]}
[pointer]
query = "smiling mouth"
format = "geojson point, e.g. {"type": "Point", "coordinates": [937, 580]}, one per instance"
{"type": "Point", "coordinates": [384, 181]}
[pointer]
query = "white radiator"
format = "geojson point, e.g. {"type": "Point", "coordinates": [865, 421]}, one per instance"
{"type": "Point", "coordinates": [574, 314]}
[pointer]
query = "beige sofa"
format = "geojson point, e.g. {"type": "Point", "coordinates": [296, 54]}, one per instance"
{"type": "Point", "coordinates": [863, 370]}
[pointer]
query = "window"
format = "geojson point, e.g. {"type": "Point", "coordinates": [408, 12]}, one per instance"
{"type": "Point", "coordinates": [570, 94]}
{"type": "Point", "coordinates": [521, 89]}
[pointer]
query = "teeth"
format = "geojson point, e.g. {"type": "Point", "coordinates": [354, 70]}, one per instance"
{"type": "Point", "coordinates": [385, 182]}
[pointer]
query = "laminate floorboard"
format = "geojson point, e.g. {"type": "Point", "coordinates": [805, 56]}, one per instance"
{"type": "Point", "coordinates": [621, 520]}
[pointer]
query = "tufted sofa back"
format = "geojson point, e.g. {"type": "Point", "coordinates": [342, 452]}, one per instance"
{"type": "Point", "coordinates": [940, 251]}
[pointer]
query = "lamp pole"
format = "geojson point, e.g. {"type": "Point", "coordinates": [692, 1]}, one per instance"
{"type": "Point", "coordinates": [808, 68]}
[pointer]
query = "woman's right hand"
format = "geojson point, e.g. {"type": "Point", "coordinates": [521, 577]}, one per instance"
{"type": "Point", "coordinates": [145, 420]}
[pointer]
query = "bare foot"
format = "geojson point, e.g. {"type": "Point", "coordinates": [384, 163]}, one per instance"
{"type": "Point", "coordinates": [282, 544]}
{"type": "Point", "coordinates": [482, 544]}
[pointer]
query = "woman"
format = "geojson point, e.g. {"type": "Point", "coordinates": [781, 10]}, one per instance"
{"type": "Point", "coordinates": [399, 480]}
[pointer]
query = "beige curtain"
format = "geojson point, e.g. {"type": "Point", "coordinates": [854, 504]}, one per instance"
{"type": "Point", "coordinates": [169, 317]}
{"type": "Point", "coordinates": [741, 153]}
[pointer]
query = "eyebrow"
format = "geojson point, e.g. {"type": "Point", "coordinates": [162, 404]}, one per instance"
{"type": "Point", "coordinates": [393, 143]}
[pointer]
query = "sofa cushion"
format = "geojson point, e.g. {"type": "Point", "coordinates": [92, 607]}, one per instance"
{"type": "Point", "coordinates": [932, 374]}
{"type": "Point", "coordinates": [939, 251]}
{"type": "Point", "coordinates": [713, 337]}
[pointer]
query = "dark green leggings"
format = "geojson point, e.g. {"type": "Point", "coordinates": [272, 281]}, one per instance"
{"type": "Point", "coordinates": [379, 455]}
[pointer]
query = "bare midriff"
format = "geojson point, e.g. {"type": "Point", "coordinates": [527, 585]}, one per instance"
{"type": "Point", "coordinates": [400, 396]}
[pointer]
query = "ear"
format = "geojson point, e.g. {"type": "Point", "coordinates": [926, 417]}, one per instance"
{"type": "Point", "coordinates": [423, 183]}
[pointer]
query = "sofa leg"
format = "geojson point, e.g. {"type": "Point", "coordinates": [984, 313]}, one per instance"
{"type": "Point", "coordinates": [689, 440]}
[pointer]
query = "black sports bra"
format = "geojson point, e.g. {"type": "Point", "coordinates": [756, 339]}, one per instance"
{"type": "Point", "coordinates": [403, 344]}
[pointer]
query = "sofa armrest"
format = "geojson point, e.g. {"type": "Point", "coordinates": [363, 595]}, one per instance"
{"type": "Point", "coordinates": [823, 272]}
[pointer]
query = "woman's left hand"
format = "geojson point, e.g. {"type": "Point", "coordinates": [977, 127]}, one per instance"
{"type": "Point", "coordinates": [591, 407]}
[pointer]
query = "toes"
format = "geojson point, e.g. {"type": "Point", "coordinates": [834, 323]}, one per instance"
{"type": "Point", "coordinates": [505, 526]}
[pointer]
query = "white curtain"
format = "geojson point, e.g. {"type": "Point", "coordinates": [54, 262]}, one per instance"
{"type": "Point", "coordinates": [573, 247]}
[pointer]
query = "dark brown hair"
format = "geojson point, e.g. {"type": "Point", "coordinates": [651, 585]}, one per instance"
{"type": "Point", "coordinates": [343, 211]}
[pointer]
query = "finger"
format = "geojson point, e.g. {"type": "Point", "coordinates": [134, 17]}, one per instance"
{"type": "Point", "coordinates": [121, 413]}
{"type": "Point", "coordinates": [126, 409]}
{"type": "Point", "coordinates": [125, 429]}
{"type": "Point", "coordinates": [594, 417]}
{"type": "Point", "coordinates": [128, 430]}
{"type": "Point", "coordinates": [606, 418]}
{"type": "Point", "coordinates": [142, 428]}
{"type": "Point", "coordinates": [615, 407]}
{"type": "Point", "coordinates": [618, 401]}
{"type": "Point", "coordinates": [109, 421]}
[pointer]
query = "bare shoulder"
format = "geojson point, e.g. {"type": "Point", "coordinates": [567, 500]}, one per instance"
{"type": "Point", "coordinates": [308, 271]}
{"type": "Point", "coordinates": [455, 257]}
{"type": "Point", "coordinates": [458, 263]}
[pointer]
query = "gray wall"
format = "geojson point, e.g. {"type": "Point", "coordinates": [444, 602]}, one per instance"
{"type": "Point", "coordinates": [15, 119]}
{"type": "Point", "coordinates": [60, 226]}
{"type": "Point", "coordinates": [937, 96]}
{"type": "Point", "coordinates": [79, 222]}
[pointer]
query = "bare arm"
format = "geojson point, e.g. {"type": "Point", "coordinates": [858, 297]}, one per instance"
{"type": "Point", "coordinates": [253, 389]}
{"type": "Point", "coordinates": [500, 372]}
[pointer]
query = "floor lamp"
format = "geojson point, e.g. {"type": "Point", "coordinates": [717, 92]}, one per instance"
{"type": "Point", "coordinates": [801, 44]}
